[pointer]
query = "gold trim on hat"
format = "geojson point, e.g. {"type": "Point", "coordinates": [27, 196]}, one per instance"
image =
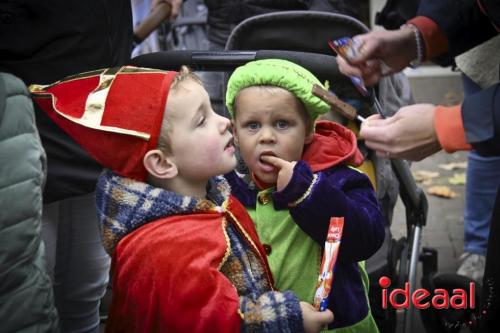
{"type": "Point", "coordinates": [96, 101]}
{"type": "Point", "coordinates": [41, 88]}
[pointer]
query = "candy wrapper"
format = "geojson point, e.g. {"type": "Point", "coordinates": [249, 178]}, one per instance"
{"type": "Point", "coordinates": [348, 48]}
{"type": "Point", "coordinates": [330, 254]}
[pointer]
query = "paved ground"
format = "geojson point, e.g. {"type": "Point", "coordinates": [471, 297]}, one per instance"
{"type": "Point", "coordinates": [444, 229]}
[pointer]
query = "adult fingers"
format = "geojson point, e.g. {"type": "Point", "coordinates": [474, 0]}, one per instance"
{"type": "Point", "coordinates": [370, 72]}
{"type": "Point", "coordinates": [373, 117]}
{"type": "Point", "coordinates": [377, 129]}
{"type": "Point", "coordinates": [348, 69]}
{"type": "Point", "coordinates": [380, 148]}
{"type": "Point", "coordinates": [367, 50]}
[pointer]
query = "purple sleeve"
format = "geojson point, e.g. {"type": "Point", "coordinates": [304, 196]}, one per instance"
{"type": "Point", "coordinates": [340, 191]}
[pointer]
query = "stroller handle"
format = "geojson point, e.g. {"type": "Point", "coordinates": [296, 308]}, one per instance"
{"type": "Point", "coordinates": [323, 66]}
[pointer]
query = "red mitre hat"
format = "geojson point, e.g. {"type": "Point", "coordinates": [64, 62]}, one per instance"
{"type": "Point", "coordinates": [115, 114]}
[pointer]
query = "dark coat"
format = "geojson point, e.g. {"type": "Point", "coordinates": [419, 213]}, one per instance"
{"type": "Point", "coordinates": [44, 41]}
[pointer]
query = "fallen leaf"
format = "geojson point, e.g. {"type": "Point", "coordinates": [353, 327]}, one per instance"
{"type": "Point", "coordinates": [457, 179]}
{"type": "Point", "coordinates": [453, 165]}
{"type": "Point", "coordinates": [424, 175]}
{"type": "Point", "coordinates": [427, 182]}
{"type": "Point", "coordinates": [441, 191]}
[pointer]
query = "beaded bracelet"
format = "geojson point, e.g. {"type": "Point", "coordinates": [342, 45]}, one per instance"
{"type": "Point", "coordinates": [420, 47]}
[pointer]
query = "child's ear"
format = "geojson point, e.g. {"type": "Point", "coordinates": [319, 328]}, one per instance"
{"type": "Point", "coordinates": [309, 137]}
{"type": "Point", "coordinates": [159, 165]}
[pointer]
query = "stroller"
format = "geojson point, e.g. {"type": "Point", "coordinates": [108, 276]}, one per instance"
{"type": "Point", "coordinates": [301, 37]}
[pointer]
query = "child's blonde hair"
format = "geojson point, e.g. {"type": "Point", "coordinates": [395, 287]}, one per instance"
{"type": "Point", "coordinates": [185, 73]}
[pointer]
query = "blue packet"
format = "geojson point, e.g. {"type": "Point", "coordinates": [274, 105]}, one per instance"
{"type": "Point", "coordinates": [348, 48]}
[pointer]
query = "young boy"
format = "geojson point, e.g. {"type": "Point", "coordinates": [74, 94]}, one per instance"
{"type": "Point", "coordinates": [186, 257]}
{"type": "Point", "coordinates": [299, 179]}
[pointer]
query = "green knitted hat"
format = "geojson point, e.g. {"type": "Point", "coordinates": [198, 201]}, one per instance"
{"type": "Point", "coordinates": [280, 73]}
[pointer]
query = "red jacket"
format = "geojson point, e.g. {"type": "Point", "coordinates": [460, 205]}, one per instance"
{"type": "Point", "coordinates": [179, 288]}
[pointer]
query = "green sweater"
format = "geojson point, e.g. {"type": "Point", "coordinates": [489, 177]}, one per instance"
{"type": "Point", "coordinates": [294, 257]}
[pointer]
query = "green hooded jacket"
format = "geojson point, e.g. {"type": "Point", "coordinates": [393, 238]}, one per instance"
{"type": "Point", "coordinates": [26, 297]}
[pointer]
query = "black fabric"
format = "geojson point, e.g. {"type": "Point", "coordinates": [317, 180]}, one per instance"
{"type": "Point", "coordinates": [463, 23]}
{"type": "Point", "coordinates": [489, 319]}
{"type": "Point", "coordinates": [44, 41]}
{"type": "Point", "coordinates": [396, 12]}
{"type": "Point", "coordinates": [492, 9]}
{"type": "Point", "coordinates": [224, 15]}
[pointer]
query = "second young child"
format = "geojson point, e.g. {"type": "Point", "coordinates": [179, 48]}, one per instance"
{"type": "Point", "coordinates": [299, 178]}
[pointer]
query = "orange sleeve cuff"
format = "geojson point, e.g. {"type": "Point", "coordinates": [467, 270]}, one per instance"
{"type": "Point", "coordinates": [450, 129]}
{"type": "Point", "coordinates": [435, 40]}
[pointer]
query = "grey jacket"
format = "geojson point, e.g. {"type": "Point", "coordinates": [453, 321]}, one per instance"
{"type": "Point", "coordinates": [26, 298]}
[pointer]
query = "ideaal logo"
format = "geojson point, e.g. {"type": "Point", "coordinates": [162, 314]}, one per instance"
{"type": "Point", "coordinates": [441, 299]}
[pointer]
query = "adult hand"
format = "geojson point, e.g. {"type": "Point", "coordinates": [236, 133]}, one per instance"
{"type": "Point", "coordinates": [314, 321]}
{"type": "Point", "coordinates": [409, 134]}
{"type": "Point", "coordinates": [285, 170]}
{"type": "Point", "coordinates": [381, 53]}
{"type": "Point", "coordinates": [175, 4]}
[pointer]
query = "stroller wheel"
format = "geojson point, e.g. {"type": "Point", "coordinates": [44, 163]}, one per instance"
{"type": "Point", "coordinates": [448, 320]}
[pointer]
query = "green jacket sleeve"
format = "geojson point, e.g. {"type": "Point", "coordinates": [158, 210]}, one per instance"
{"type": "Point", "coordinates": [26, 298]}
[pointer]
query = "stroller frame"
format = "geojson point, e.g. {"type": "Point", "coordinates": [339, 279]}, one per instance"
{"type": "Point", "coordinates": [252, 39]}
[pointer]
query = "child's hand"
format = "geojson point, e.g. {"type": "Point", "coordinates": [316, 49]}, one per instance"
{"type": "Point", "coordinates": [315, 321]}
{"type": "Point", "coordinates": [285, 170]}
